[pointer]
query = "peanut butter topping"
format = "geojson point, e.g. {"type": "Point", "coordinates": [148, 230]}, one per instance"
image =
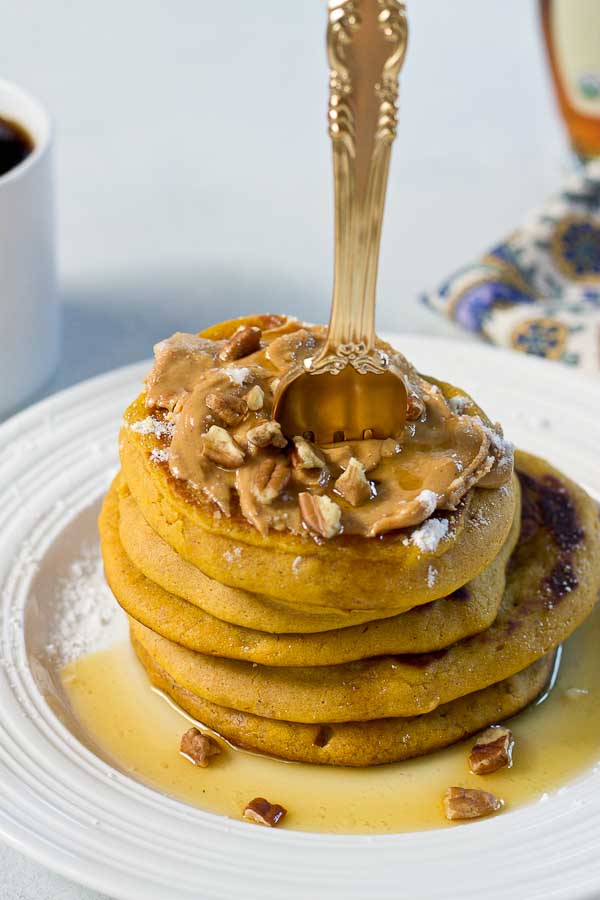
{"type": "Point", "coordinates": [213, 403]}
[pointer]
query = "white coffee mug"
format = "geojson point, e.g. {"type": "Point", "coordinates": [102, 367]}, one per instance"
{"type": "Point", "coordinates": [29, 315]}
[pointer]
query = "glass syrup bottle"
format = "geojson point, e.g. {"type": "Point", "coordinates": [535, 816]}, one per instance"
{"type": "Point", "coordinates": [572, 37]}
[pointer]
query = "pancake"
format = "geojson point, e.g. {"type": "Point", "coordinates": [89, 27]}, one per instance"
{"type": "Point", "coordinates": [552, 584]}
{"type": "Point", "coordinates": [360, 743]}
{"type": "Point", "coordinates": [161, 564]}
{"type": "Point", "coordinates": [424, 629]}
{"type": "Point", "coordinates": [235, 534]}
{"type": "Point", "coordinates": [346, 572]}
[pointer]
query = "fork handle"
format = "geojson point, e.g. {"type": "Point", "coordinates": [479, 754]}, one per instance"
{"type": "Point", "coordinates": [366, 45]}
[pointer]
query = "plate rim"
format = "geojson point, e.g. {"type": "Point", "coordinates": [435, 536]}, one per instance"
{"type": "Point", "coordinates": [101, 879]}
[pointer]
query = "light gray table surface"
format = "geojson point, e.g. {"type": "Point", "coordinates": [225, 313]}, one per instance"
{"type": "Point", "coordinates": [194, 174]}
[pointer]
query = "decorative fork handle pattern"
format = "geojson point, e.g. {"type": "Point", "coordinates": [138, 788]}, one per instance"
{"type": "Point", "coordinates": [366, 45]}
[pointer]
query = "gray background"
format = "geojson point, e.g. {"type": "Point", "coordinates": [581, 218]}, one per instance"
{"type": "Point", "coordinates": [194, 175]}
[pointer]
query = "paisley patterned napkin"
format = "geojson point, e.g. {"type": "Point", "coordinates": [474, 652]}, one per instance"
{"type": "Point", "coordinates": [539, 290]}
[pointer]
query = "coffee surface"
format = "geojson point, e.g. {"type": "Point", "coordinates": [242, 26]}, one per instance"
{"type": "Point", "coordinates": [15, 145]}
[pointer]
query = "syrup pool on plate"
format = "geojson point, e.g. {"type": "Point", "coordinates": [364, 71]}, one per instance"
{"type": "Point", "coordinates": [137, 730]}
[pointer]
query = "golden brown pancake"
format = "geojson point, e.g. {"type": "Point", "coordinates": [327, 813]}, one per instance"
{"type": "Point", "coordinates": [161, 564]}
{"type": "Point", "coordinates": [360, 743]}
{"type": "Point", "coordinates": [552, 585]}
{"type": "Point", "coordinates": [394, 570]}
{"type": "Point", "coordinates": [345, 572]}
{"type": "Point", "coordinates": [424, 629]}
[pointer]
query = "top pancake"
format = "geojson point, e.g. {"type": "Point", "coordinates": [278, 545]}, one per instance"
{"type": "Point", "coordinates": [347, 572]}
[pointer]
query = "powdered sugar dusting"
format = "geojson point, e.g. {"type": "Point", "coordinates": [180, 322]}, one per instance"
{"type": "Point", "coordinates": [85, 616]}
{"type": "Point", "coordinates": [428, 500]}
{"type": "Point", "coordinates": [237, 374]}
{"type": "Point", "coordinates": [505, 450]}
{"type": "Point", "coordinates": [432, 574]}
{"type": "Point", "coordinates": [427, 538]}
{"type": "Point", "coordinates": [232, 555]}
{"type": "Point", "coordinates": [458, 404]}
{"type": "Point", "coordinates": [157, 427]}
{"type": "Point", "coordinates": [159, 455]}
{"type": "Point", "coordinates": [181, 340]}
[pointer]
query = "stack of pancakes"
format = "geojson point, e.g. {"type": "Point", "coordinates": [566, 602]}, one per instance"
{"type": "Point", "coordinates": [347, 651]}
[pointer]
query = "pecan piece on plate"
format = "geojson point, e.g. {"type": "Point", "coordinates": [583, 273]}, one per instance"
{"type": "Point", "coordinates": [243, 342]}
{"type": "Point", "coordinates": [466, 803]}
{"type": "Point", "coordinates": [320, 514]}
{"type": "Point", "coordinates": [271, 477]}
{"type": "Point", "coordinates": [492, 751]}
{"type": "Point", "coordinates": [266, 434]}
{"type": "Point", "coordinates": [353, 484]}
{"type": "Point", "coordinates": [199, 747]}
{"type": "Point", "coordinates": [262, 812]}
{"type": "Point", "coordinates": [220, 448]}
{"type": "Point", "coordinates": [227, 407]}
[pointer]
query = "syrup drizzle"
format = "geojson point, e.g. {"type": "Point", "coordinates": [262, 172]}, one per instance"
{"type": "Point", "coordinates": [108, 702]}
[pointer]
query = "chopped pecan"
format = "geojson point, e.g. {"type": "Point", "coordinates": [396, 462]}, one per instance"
{"type": "Point", "coordinates": [306, 456]}
{"type": "Point", "coordinates": [415, 407]}
{"type": "Point", "coordinates": [492, 751]}
{"type": "Point", "coordinates": [271, 477]}
{"type": "Point", "coordinates": [262, 812]}
{"type": "Point", "coordinates": [266, 434]}
{"type": "Point", "coordinates": [320, 514]}
{"type": "Point", "coordinates": [353, 484]}
{"type": "Point", "coordinates": [198, 747]}
{"type": "Point", "coordinates": [220, 448]}
{"type": "Point", "coordinates": [465, 803]}
{"type": "Point", "coordinates": [244, 341]}
{"type": "Point", "coordinates": [229, 408]}
{"type": "Point", "coordinates": [255, 398]}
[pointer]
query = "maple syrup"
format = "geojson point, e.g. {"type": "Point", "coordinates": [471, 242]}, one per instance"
{"type": "Point", "coordinates": [138, 730]}
{"type": "Point", "coordinates": [572, 38]}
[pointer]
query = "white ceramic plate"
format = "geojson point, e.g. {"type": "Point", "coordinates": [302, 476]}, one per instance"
{"type": "Point", "coordinates": [64, 806]}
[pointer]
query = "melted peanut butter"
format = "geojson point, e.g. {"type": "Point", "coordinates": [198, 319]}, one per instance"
{"type": "Point", "coordinates": [431, 465]}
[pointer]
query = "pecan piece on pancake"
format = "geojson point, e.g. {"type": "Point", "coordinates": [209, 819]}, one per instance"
{"type": "Point", "coordinates": [306, 456]}
{"type": "Point", "coordinates": [415, 407]}
{"type": "Point", "coordinates": [220, 448]}
{"type": "Point", "coordinates": [227, 407]}
{"type": "Point", "coordinates": [243, 342]}
{"type": "Point", "coordinates": [466, 803]}
{"type": "Point", "coordinates": [320, 514]}
{"type": "Point", "coordinates": [199, 747]}
{"type": "Point", "coordinates": [492, 751]}
{"type": "Point", "coordinates": [266, 434]}
{"type": "Point", "coordinates": [262, 812]}
{"type": "Point", "coordinates": [255, 398]}
{"type": "Point", "coordinates": [271, 477]}
{"type": "Point", "coordinates": [353, 484]}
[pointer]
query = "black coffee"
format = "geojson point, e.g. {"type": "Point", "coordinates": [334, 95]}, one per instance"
{"type": "Point", "coordinates": [15, 145]}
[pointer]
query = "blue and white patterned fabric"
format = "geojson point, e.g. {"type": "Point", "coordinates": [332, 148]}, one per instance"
{"type": "Point", "coordinates": [539, 291]}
